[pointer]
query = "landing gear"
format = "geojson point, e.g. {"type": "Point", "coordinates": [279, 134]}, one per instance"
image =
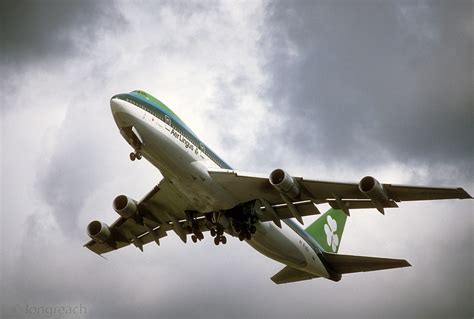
{"type": "Point", "coordinates": [244, 235]}
{"type": "Point", "coordinates": [135, 155]}
{"type": "Point", "coordinates": [218, 234]}
{"type": "Point", "coordinates": [245, 227]}
{"type": "Point", "coordinates": [253, 229]}
{"type": "Point", "coordinates": [220, 239]}
{"type": "Point", "coordinates": [195, 238]}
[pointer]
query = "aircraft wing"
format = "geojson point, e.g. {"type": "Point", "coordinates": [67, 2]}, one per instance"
{"type": "Point", "coordinates": [344, 196]}
{"type": "Point", "coordinates": [161, 210]}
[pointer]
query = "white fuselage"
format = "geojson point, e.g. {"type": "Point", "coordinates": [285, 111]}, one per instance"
{"type": "Point", "coordinates": [186, 165]}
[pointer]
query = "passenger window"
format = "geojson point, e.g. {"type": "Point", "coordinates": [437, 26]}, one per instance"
{"type": "Point", "coordinates": [167, 120]}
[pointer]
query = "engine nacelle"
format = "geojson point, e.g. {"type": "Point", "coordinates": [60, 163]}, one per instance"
{"type": "Point", "coordinates": [125, 206]}
{"type": "Point", "coordinates": [99, 231]}
{"type": "Point", "coordinates": [284, 183]}
{"type": "Point", "coordinates": [371, 188]}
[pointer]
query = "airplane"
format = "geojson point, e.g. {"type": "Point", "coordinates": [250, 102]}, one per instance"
{"type": "Point", "coordinates": [201, 193]}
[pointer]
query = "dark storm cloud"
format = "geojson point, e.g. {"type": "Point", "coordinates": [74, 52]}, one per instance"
{"type": "Point", "coordinates": [360, 84]}
{"type": "Point", "coordinates": [47, 30]}
{"type": "Point", "coordinates": [374, 80]}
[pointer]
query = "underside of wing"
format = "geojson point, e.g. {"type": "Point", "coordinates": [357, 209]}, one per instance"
{"type": "Point", "coordinates": [161, 210]}
{"type": "Point", "coordinates": [282, 188]}
{"type": "Point", "coordinates": [401, 193]}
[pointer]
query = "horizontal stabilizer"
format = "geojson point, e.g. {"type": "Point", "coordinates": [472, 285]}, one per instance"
{"type": "Point", "coordinates": [289, 274]}
{"type": "Point", "coordinates": [344, 264]}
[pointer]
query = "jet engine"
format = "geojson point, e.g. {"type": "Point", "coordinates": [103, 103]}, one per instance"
{"type": "Point", "coordinates": [371, 188]}
{"type": "Point", "coordinates": [125, 206]}
{"type": "Point", "coordinates": [284, 183]}
{"type": "Point", "coordinates": [99, 231]}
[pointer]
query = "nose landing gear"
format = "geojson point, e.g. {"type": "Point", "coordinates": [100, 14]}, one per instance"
{"type": "Point", "coordinates": [135, 155]}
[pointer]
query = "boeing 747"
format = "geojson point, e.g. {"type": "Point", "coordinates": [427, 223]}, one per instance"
{"type": "Point", "coordinates": [201, 193]}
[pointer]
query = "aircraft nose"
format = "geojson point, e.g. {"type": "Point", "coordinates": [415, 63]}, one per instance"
{"type": "Point", "coordinates": [115, 105]}
{"type": "Point", "coordinates": [120, 111]}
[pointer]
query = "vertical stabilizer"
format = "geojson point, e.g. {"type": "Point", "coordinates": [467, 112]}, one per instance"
{"type": "Point", "coordinates": [328, 229]}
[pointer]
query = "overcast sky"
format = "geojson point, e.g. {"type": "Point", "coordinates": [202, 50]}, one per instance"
{"type": "Point", "coordinates": [324, 89]}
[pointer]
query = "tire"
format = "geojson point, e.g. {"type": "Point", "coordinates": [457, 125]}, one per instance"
{"type": "Point", "coordinates": [216, 241]}
{"type": "Point", "coordinates": [224, 240]}
{"type": "Point", "coordinates": [253, 229]}
{"type": "Point", "coordinates": [132, 156]}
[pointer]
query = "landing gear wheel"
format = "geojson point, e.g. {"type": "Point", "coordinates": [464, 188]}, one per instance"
{"type": "Point", "coordinates": [216, 241]}
{"type": "Point", "coordinates": [213, 232]}
{"type": "Point", "coordinates": [132, 156]}
{"type": "Point", "coordinates": [224, 240]}
{"type": "Point", "coordinates": [194, 238]}
{"type": "Point", "coordinates": [253, 229]}
{"type": "Point", "coordinates": [241, 236]}
{"type": "Point", "coordinates": [138, 156]}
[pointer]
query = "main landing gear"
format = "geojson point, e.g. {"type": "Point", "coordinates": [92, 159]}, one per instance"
{"type": "Point", "coordinates": [135, 155]}
{"type": "Point", "coordinates": [218, 235]}
{"type": "Point", "coordinates": [245, 231]}
{"type": "Point", "coordinates": [195, 238]}
{"type": "Point", "coordinates": [197, 233]}
{"type": "Point", "coordinates": [244, 219]}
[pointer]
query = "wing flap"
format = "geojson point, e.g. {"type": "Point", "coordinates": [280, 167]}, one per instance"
{"type": "Point", "coordinates": [147, 235]}
{"type": "Point", "coordinates": [345, 264]}
{"type": "Point", "coordinates": [290, 274]}
{"type": "Point", "coordinates": [360, 204]}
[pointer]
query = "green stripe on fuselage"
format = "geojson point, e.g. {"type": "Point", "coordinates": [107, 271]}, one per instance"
{"type": "Point", "coordinates": [160, 110]}
{"type": "Point", "coordinates": [148, 98]}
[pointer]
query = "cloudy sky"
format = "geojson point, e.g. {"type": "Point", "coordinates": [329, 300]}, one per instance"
{"type": "Point", "coordinates": [325, 89]}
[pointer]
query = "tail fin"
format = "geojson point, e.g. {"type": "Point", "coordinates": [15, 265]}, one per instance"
{"type": "Point", "coordinates": [327, 229]}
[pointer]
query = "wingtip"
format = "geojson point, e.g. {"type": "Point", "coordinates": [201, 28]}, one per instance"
{"type": "Point", "coordinates": [463, 194]}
